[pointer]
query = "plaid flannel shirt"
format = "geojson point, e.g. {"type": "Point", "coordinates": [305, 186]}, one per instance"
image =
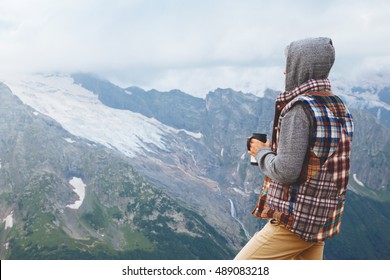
{"type": "Point", "coordinates": [313, 206]}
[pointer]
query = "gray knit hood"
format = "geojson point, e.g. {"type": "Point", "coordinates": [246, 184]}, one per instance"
{"type": "Point", "coordinates": [307, 59]}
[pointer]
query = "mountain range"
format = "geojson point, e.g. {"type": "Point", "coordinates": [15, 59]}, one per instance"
{"type": "Point", "coordinates": [90, 170]}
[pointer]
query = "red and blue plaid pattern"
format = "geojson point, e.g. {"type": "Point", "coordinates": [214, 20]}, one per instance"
{"type": "Point", "coordinates": [313, 207]}
{"type": "Point", "coordinates": [310, 85]}
{"type": "Point", "coordinates": [328, 119]}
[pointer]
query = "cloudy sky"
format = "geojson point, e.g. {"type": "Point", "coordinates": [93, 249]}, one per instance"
{"type": "Point", "coordinates": [192, 45]}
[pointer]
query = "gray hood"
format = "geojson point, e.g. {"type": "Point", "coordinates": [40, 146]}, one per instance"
{"type": "Point", "coordinates": [307, 59]}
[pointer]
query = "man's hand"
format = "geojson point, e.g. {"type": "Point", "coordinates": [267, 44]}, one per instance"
{"type": "Point", "coordinates": [257, 145]}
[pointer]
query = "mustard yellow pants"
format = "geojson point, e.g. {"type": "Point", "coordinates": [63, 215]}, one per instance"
{"type": "Point", "coordinates": [275, 242]}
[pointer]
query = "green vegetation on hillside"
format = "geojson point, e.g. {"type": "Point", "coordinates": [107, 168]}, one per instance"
{"type": "Point", "coordinates": [142, 221]}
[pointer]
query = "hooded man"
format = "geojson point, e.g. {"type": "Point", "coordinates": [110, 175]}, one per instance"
{"type": "Point", "coordinates": [306, 166]}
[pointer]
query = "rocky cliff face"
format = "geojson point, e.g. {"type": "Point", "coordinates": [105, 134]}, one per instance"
{"type": "Point", "coordinates": [370, 152]}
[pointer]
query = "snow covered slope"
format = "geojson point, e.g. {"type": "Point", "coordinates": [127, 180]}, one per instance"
{"type": "Point", "coordinates": [81, 113]}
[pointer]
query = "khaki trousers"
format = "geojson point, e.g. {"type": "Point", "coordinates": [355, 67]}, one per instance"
{"type": "Point", "coordinates": [275, 242]}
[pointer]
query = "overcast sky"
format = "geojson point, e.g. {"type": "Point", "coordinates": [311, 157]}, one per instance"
{"type": "Point", "coordinates": [192, 45]}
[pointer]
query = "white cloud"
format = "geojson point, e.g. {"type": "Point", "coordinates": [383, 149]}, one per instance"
{"type": "Point", "coordinates": [199, 81]}
{"type": "Point", "coordinates": [194, 45]}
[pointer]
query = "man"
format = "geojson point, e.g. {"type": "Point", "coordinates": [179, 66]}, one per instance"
{"type": "Point", "coordinates": [307, 163]}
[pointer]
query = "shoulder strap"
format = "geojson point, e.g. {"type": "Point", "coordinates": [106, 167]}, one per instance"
{"type": "Point", "coordinates": [319, 93]}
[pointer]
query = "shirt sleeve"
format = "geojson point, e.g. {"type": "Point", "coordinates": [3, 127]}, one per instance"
{"type": "Point", "coordinates": [285, 165]}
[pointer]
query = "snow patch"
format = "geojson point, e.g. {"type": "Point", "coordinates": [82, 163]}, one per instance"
{"type": "Point", "coordinates": [79, 188]}
{"type": "Point", "coordinates": [196, 135]}
{"type": "Point", "coordinates": [9, 221]}
{"type": "Point", "coordinates": [70, 140]}
{"type": "Point", "coordinates": [360, 183]}
{"type": "Point", "coordinates": [239, 191]}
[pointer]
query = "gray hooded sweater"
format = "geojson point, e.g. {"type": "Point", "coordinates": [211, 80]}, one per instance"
{"type": "Point", "coordinates": [306, 59]}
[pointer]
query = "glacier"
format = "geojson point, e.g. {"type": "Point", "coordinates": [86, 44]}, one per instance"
{"type": "Point", "coordinates": [80, 112]}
